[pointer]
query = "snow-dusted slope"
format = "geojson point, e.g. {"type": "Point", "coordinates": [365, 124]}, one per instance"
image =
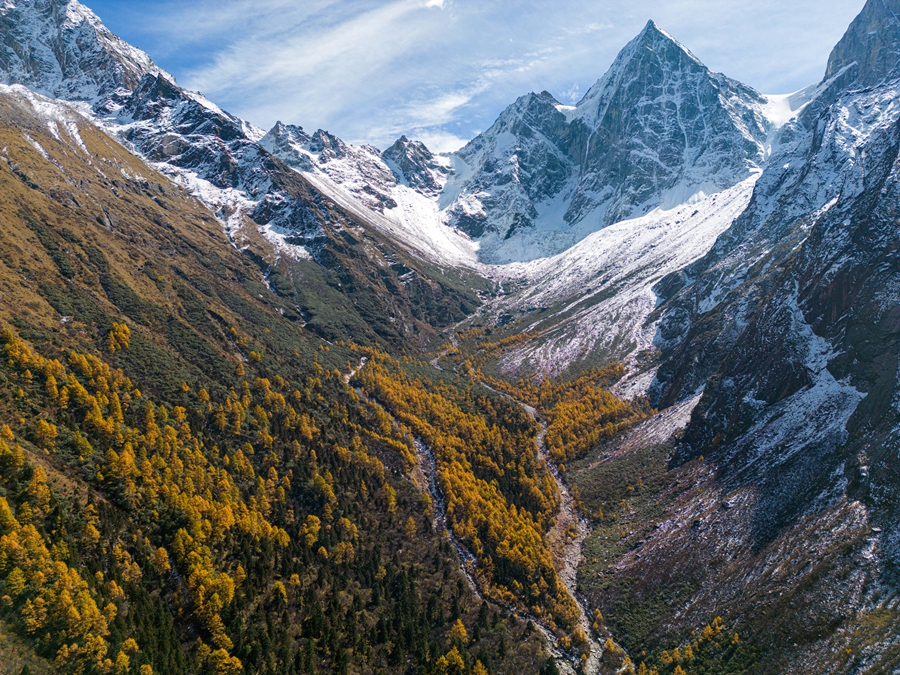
{"type": "Point", "coordinates": [395, 190]}
{"type": "Point", "coordinates": [60, 118]}
{"type": "Point", "coordinates": [593, 300]}
{"type": "Point", "coordinates": [792, 321]}
{"type": "Point", "coordinates": [61, 49]}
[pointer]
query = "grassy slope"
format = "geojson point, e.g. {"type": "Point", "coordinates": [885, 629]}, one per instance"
{"type": "Point", "coordinates": [88, 238]}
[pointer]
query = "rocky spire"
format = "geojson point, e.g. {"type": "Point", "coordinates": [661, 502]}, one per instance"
{"type": "Point", "coordinates": [657, 120]}
{"type": "Point", "coordinates": [869, 52]}
{"type": "Point", "coordinates": [416, 165]}
{"type": "Point", "coordinates": [651, 54]}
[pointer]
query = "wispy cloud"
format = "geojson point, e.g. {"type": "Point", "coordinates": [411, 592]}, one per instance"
{"type": "Point", "coordinates": [572, 94]}
{"type": "Point", "coordinates": [442, 70]}
{"type": "Point", "coordinates": [307, 66]}
{"type": "Point", "coordinates": [274, 57]}
{"type": "Point", "coordinates": [440, 110]}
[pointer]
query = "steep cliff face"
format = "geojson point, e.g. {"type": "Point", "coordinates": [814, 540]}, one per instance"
{"type": "Point", "coordinates": [792, 327]}
{"type": "Point", "coordinates": [868, 52]}
{"type": "Point", "coordinates": [396, 190]}
{"type": "Point", "coordinates": [816, 214]}
{"type": "Point", "coordinates": [658, 129]}
{"type": "Point", "coordinates": [61, 49]}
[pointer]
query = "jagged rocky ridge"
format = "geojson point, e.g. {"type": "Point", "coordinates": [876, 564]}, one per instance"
{"type": "Point", "coordinates": [655, 130]}
{"type": "Point", "coordinates": [790, 329]}
{"type": "Point", "coordinates": [540, 179]}
{"type": "Point", "coordinates": [62, 50]}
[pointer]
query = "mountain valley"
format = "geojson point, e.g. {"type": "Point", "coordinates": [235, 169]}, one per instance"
{"type": "Point", "coordinates": [614, 388]}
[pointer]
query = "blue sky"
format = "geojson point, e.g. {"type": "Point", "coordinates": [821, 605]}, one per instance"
{"type": "Point", "coordinates": [442, 70]}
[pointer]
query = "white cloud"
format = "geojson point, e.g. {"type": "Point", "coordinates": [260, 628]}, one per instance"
{"type": "Point", "coordinates": [353, 49]}
{"type": "Point", "coordinates": [439, 141]}
{"type": "Point", "coordinates": [442, 109]}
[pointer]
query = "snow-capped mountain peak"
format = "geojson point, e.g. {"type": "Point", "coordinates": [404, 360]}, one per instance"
{"type": "Point", "coordinates": [651, 48]}
{"type": "Point", "coordinates": [657, 130]}
{"type": "Point", "coordinates": [61, 49]}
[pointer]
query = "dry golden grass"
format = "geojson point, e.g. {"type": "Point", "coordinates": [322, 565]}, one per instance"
{"type": "Point", "coordinates": [114, 203]}
{"type": "Point", "coordinates": [15, 654]}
